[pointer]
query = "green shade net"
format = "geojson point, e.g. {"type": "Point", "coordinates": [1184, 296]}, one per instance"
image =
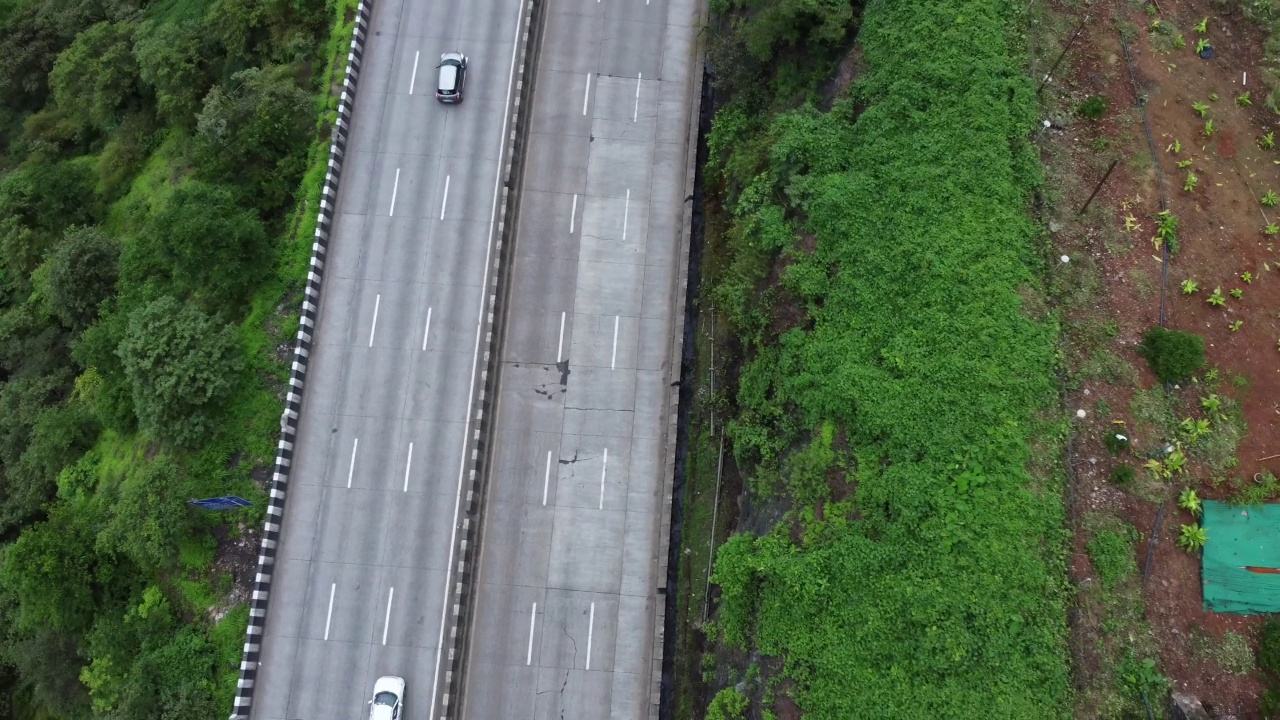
{"type": "Point", "coordinates": [1241, 566]}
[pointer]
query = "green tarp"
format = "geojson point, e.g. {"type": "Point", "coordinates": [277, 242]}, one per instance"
{"type": "Point", "coordinates": [1241, 565]}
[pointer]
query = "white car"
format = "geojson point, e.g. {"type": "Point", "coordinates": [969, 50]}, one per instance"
{"type": "Point", "coordinates": [388, 698]}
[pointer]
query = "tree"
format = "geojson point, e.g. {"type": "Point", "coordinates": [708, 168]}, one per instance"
{"type": "Point", "coordinates": [148, 517]}
{"type": "Point", "coordinates": [50, 196]}
{"type": "Point", "coordinates": [254, 133]}
{"type": "Point", "coordinates": [97, 76]}
{"type": "Point", "coordinates": [31, 37]}
{"type": "Point", "coordinates": [30, 344]}
{"type": "Point", "coordinates": [61, 434]}
{"type": "Point", "coordinates": [181, 366]}
{"type": "Point", "coordinates": [105, 388]}
{"type": "Point", "coordinates": [78, 274]}
{"type": "Point", "coordinates": [766, 26]}
{"type": "Point", "coordinates": [254, 32]}
{"type": "Point", "coordinates": [211, 247]}
{"type": "Point", "coordinates": [49, 569]}
{"type": "Point", "coordinates": [173, 60]}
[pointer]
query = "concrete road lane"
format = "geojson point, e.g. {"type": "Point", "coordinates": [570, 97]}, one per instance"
{"type": "Point", "coordinates": [361, 572]}
{"type": "Point", "coordinates": [568, 588]}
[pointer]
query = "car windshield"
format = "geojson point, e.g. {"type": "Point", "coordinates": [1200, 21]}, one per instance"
{"type": "Point", "coordinates": [448, 76]}
{"type": "Point", "coordinates": [385, 698]}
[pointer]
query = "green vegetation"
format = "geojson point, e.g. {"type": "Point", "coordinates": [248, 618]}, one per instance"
{"type": "Point", "coordinates": [1112, 554]}
{"type": "Point", "coordinates": [150, 229]}
{"type": "Point", "coordinates": [1093, 107]}
{"type": "Point", "coordinates": [904, 354]}
{"type": "Point", "coordinates": [1173, 355]}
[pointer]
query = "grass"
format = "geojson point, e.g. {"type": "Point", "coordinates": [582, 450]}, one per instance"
{"type": "Point", "coordinates": [1111, 620]}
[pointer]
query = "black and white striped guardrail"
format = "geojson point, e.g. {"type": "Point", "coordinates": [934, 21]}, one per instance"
{"type": "Point", "coordinates": [298, 374]}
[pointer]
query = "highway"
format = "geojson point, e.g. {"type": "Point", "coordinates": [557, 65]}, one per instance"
{"type": "Point", "coordinates": [360, 575]}
{"type": "Point", "coordinates": [567, 588]}
{"type": "Point", "coordinates": [564, 613]}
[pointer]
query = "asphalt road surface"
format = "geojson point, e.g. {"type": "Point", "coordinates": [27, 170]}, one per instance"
{"type": "Point", "coordinates": [564, 614]}
{"type": "Point", "coordinates": [567, 591]}
{"type": "Point", "coordinates": [360, 576]}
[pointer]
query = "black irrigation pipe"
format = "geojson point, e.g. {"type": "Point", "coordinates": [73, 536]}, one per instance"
{"type": "Point", "coordinates": [1151, 545]}
{"type": "Point", "coordinates": [1062, 55]}
{"type": "Point", "coordinates": [1101, 182]}
{"type": "Point", "coordinates": [1155, 159]}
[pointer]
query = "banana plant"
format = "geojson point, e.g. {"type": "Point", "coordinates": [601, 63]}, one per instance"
{"type": "Point", "coordinates": [1235, 325]}
{"type": "Point", "coordinates": [1157, 469]}
{"type": "Point", "coordinates": [1202, 27]}
{"type": "Point", "coordinates": [1271, 229]}
{"type": "Point", "coordinates": [1192, 538]}
{"type": "Point", "coordinates": [1247, 277]}
{"type": "Point", "coordinates": [1190, 184]}
{"type": "Point", "coordinates": [1189, 287]}
{"type": "Point", "coordinates": [1201, 109]}
{"type": "Point", "coordinates": [1176, 462]}
{"type": "Point", "coordinates": [1215, 298]}
{"type": "Point", "coordinates": [1208, 128]}
{"type": "Point", "coordinates": [1188, 500]}
{"type": "Point", "coordinates": [1202, 44]}
{"type": "Point", "coordinates": [1212, 404]}
{"type": "Point", "coordinates": [1270, 199]}
{"type": "Point", "coordinates": [1194, 428]}
{"type": "Point", "coordinates": [1237, 293]}
{"type": "Point", "coordinates": [1175, 147]}
{"type": "Point", "coordinates": [1182, 164]}
{"type": "Point", "coordinates": [1268, 141]}
{"type": "Point", "coordinates": [1244, 100]}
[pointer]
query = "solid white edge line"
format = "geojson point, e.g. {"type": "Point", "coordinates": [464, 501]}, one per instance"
{"type": "Point", "coordinates": [351, 470]}
{"type": "Point", "coordinates": [329, 617]}
{"type": "Point", "coordinates": [376, 302]}
{"type": "Point", "coordinates": [613, 362]}
{"type": "Point", "coordinates": [445, 202]}
{"type": "Point", "coordinates": [395, 188]}
{"type": "Point", "coordinates": [546, 479]}
{"type": "Point", "coordinates": [475, 356]}
{"type": "Point", "coordinates": [386, 624]}
{"type": "Point", "coordinates": [635, 115]}
{"type": "Point", "coordinates": [414, 77]}
{"type": "Point", "coordinates": [604, 468]}
{"type": "Point", "coordinates": [591, 625]}
{"type": "Point", "coordinates": [573, 213]}
{"type": "Point", "coordinates": [626, 213]}
{"type": "Point", "coordinates": [560, 345]}
{"type": "Point", "coordinates": [408, 465]}
{"type": "Point", "coordinates": [426, 333]}
{"type": "Point", "coordinates": [586, 96]}
{"type": "Point", "coordinates": [528, 657]}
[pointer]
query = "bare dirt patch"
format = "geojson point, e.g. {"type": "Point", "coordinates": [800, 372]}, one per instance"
{"type": "Point", "coordinates": [1112, 292]}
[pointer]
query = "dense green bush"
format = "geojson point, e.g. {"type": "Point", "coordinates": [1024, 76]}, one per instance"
{"type": "Point", "coordinates": [201, 243]}
{"type": "Point", "coordinates": [1269, 645]}
{"type": "Point", "coordinates": [1123, 475]}
{"type": "Point", "coordinates": [936, 591]}
{"type": "Point", "coordinates": [1173, 355]}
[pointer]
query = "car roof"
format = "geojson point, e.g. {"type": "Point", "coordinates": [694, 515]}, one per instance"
{"type": "Point", "coordinates": [451, 57]}
{"type": "Point", "coordinates": [389, 683]}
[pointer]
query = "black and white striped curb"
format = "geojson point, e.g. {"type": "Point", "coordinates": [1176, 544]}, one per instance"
{"type": "Point", "coordinates": [469, 520]}
{"type": "Point", "coordinates": [298, 375]}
